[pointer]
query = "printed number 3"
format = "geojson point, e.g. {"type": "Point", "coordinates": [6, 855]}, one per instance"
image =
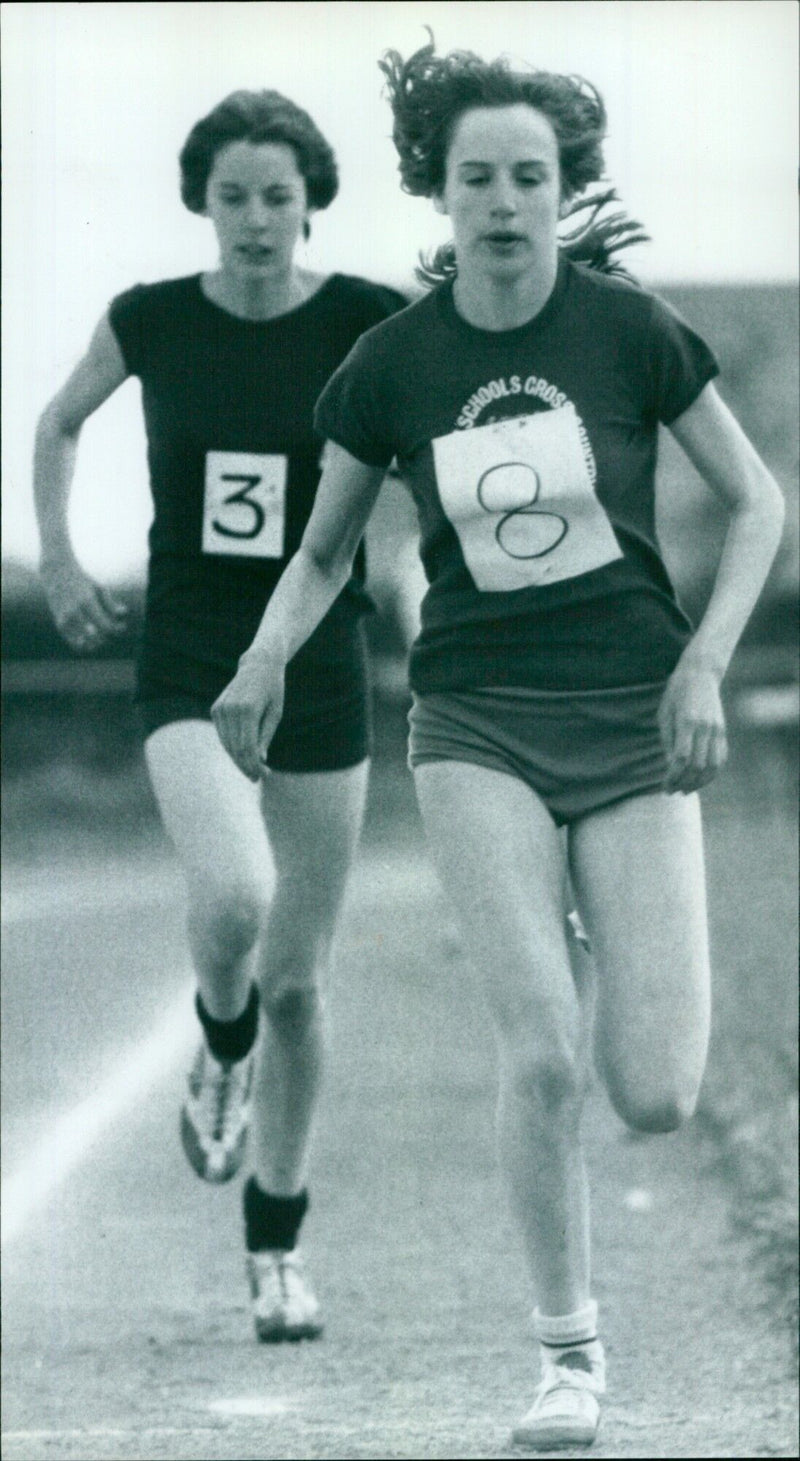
{"type": "Point", "coordinates": [251, 482]}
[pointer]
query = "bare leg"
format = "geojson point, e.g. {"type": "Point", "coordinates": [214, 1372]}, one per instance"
{"type": "Point", "coordinates": [639, 878]}
{"type": "Point", "coordinates": [501, 861]}
{"type": "Point", "coordinates": [314, 820]}
{"type": "Point", "coordinates": [211, 813]}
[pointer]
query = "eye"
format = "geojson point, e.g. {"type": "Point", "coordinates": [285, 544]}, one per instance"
{"type": "Point", "coordinates": [278, 200]}
{"type": "Point", "coordinates": [231, 198]}
{"type": "Point", "coordinates": [478, 181]}
{"type": "Point", "coordinates": [529, 180]}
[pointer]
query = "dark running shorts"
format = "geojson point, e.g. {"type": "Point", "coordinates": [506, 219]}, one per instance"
{"type": "Point", "coordinates": [326, 723]}
{"type": "Point", "coordinates": [579, 751]}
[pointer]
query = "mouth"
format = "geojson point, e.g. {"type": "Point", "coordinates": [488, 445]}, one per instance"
{"type": "Point", "coordinates": [254, 253]}
{"type": "Point", "coordinates": [503, 238]}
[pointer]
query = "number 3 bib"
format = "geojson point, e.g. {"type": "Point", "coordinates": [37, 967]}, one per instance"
{"type": "Point", "coordinates": [519, 495]}
{"type": "Point", "coordinates": [244, 505]}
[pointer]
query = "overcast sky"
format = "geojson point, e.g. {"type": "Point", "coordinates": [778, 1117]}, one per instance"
{"type": "Point", "coordinates": [98, 99]}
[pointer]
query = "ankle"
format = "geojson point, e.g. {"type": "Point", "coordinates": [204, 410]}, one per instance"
{"type": "Point", "coordinates": [271, 1222]}
{"type": "Point", "coordinates": [230, 1040]}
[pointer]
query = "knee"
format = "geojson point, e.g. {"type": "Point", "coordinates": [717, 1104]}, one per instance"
{"type": "Point", "coordinates": [232, 918]}
{"type": "Point", "coordinates": [548, 1082]}
{"type": "Point", "coordinates": [292, 1011]}
{"type": "Point", "coordinates": [654, 1112]}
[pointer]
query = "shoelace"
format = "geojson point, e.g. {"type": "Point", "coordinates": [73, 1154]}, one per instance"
{"type": "Point", "coordinates": [284, 1270]}
{"type": "Point", "coordinates": [559, 1378]}
{"type": "Point", "coordinates": [222, 1087]}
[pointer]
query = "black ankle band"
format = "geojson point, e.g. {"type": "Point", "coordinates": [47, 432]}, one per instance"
{"type": "Point", "coordinates": [230, 1040]}
{"type": "Point", "coordinates": [271, 1222]}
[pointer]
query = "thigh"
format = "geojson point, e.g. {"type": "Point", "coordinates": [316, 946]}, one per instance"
{"type": "Point", "coordinates": [314, 819]}
{"type": "Point", "coordinates": [638, 873]}
{"type": "Point", "coordinates": [501, 861]}
{"type": "Point", "coordinates": [209, 809]}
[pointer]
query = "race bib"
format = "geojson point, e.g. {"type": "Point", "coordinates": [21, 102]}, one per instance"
{"type": "Point", "coordinates": [519, 495]}
{"type": "Point", "coordinates": [244, 505]}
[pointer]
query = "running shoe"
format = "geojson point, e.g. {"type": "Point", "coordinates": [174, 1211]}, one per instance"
{"type": "Point", "coordinates": [216, 1114]}
{"type": "Point", "coordinates": [284, 1304]}
{"type": "Point", "coordinates": [565, 1411]}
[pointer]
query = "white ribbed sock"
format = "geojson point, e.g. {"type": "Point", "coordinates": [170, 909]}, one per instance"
{"type": "Point", "coordinates": [567, 1329]}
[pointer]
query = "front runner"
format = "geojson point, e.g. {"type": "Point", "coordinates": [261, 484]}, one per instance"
{"type": "Point", "coordinates": [231, 363]}
{"type": "Point", "coordinates": [556, 680]}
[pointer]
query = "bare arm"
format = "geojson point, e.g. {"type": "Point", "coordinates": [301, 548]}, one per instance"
{"type": "Point", "coordinates": [247, 712]}
{"type": "Point", "coordinates": [84, 613]}
{"type": "Point", "coordinates": [692, 721]}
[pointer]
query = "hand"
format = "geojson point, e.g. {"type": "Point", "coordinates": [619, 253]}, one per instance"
{"type": "Point", "coordinates": [692, 725]}
{"type": "Point", "coordinates": [247, 713]}
{"type": "Point", "coordinates": [85, 614]}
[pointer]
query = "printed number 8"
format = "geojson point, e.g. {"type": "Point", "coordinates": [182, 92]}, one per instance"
{"type": "Point", "coordinates": [499, 487]}
{"type": "Point", "coordinates": [251, 482]}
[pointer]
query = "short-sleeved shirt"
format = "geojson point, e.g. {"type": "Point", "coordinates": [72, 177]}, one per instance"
{"type": "Point", "coordinates": [531, 455]}
{"type": "Point", "coordinates": [234, 464]}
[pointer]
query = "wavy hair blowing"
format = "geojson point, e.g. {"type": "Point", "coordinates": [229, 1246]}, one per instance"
{"type": "Point", "coordinates": [429, 93]}
{"type": "Point", "coordinates": [258, 116]}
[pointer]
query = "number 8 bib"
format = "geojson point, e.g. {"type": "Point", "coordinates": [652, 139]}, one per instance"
{"type": "Point", "coordinates": [244, 505]}
{"type": "Point", "coordinates": [519, 495]}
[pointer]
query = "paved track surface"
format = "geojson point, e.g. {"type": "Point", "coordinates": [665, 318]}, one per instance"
{"type": "Point", "coordinates": [126, 1324]}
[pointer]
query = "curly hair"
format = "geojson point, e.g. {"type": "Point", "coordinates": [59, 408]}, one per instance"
{"type": "Point", "coordinates": [258, 116]}
{"type": "Point", "coordinates": [428, 94]}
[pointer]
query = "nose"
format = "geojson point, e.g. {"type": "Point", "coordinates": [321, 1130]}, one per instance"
{"type": "Point", "coordinates": [504, 197]}
{"type": "Point", "coordinates": [256, 213]}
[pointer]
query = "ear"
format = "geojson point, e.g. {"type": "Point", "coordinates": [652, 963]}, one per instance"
{"type": "Point", "coordinates": [439, 203]}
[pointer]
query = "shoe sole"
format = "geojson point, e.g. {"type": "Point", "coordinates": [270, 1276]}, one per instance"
{"type": "Point", "coordinates": [198, 1158]}
{"type": "Point", "coordinates": [553, 1439]}
{"type": "Point", "coordinates": [292, 1333]}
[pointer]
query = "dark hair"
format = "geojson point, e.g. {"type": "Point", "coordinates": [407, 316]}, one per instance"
{"type": "Point", "coordinates": [258, 116]}
{"type": "Point", "coordinates": [429, 93]}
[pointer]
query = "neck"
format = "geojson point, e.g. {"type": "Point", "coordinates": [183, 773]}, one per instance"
{"type": "Point", "coordinates": [504, 304]}
{"type": "Point", "coordinates": [257, 299]}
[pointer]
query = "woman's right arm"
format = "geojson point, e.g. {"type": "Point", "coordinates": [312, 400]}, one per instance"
{"type": "Point", "coordinates": [85, 614]}
{"type": "Point", "coordinates": [247, 712]}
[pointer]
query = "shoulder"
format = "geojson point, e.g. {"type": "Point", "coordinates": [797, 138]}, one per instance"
{"type": "Point", "coordinates": [163, 295]}
{"type": "Point", "coordinates": [614, 295]}
{"type": "Point", "coordinates": [378, 300]}
{"type": "Point", "coordinates": [407, 325]}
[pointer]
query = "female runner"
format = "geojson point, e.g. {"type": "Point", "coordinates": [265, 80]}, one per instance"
{"type": "Point", "coordinates": [556, 680]}
{"type": "Point", "coordinates": [231, 363]}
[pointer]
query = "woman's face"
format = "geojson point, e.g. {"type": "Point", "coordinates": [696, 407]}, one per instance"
{"type": "Point", "coordinates": [502, 190]}
{"type": "Point", "coordinates": [256, 200]}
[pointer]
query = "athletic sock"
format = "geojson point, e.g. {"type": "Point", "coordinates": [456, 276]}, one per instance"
{"type": "Point", "coordinates": [570, 1340]}
{"type": "Point", "coordinates": [565, 1331]}
{"type": "Point", "coordinates": [230, 1040]}
{"type": "Point", "coordinates": [269, 1221]}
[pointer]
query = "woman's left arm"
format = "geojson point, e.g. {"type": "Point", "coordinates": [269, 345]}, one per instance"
{"type": "Point", "coordinates": [691, 717]}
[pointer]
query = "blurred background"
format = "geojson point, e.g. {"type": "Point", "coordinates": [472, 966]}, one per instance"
{"type": "Point", "coordinates": [702, 98]}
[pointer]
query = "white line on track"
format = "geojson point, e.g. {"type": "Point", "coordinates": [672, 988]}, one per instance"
{"type": "Point", "coordinates": [91, 888]}
{"type": "Point", "coordinates": [377, 881]}
{"type": "Point", "coordinates": [72, 1134]}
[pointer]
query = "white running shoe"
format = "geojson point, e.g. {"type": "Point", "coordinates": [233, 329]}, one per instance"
{"type": "Point", "coordinates": [284, 1304]}
{"type": "Point", "coordinates": [216, 1114]}
{"type": "Point", "coordinates": [565, 1411]}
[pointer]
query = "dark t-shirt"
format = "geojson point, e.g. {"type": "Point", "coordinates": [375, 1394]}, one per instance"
{"type": "Point", "coordinates": [531, 456]}
{"type": "Point", "coordinates": [234, 463]}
